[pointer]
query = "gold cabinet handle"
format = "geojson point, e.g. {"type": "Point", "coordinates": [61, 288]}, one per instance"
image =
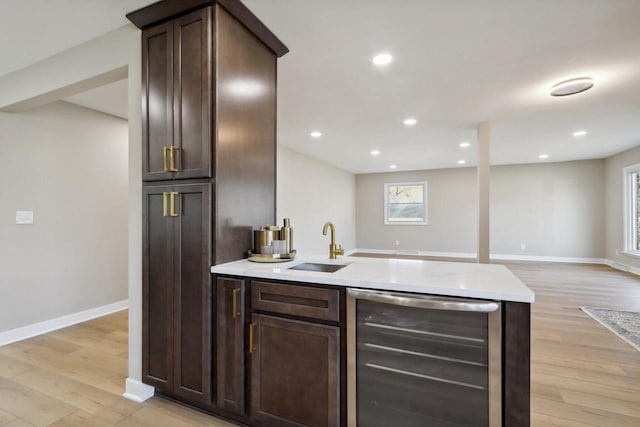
{"type": "Point", "coordinates": [170, 164]}
{"type": "Point", "coordinates": [164, 203]}
{"type": "Point", "coordinates": [173, 195]}
{"type": "Point", "coordinates": [234, 303]}
{"type": "Point", "coordinates": [172, 158]}
{"type": "Point", "coordinates": [252, 347]}
{"type": "Point", "coordinates": [164, 159]}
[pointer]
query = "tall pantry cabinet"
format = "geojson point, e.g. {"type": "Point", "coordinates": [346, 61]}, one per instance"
{"type": "Point", "coordinates": [209, 158]}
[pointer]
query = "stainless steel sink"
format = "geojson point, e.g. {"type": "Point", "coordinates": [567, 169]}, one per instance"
{"type": "Point", "coordinates": [323, 268]}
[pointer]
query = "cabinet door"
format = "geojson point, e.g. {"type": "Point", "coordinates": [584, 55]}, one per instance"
{"type": "Point", "coordinates": [192, 94]}
{"type": "Point", "coordinates": [230, 340]}
{"type": "Point", "coordinates": [157, 288]}
{"type": "Point", "coordinates": [157, 102]}
{"type": "Point", "coordinates": [295, 371]}
{"type": "Point", "coordinates": [192, 291]}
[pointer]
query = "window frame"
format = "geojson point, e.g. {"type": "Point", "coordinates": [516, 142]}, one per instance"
{"type": "Point", "coordinates": [425, 203]}
{"type": "Point", "coordinates": [630, 209]}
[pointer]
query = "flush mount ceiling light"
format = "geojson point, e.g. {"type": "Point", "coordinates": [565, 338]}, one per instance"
{"type": "Point", "coordinates": [393, 166]}
{"type": "Point", "coordinates": [382, 59]}
{"type": "Point", "coordinates": [316, 134]}
{"type": "Point", "coordinates": [462, 162]}
{"type": "Point", "coordinates": [465, 144]}
{"type": "Point", "coordinates": [410, 121]}
{"type": "Point", "coordinates": [579, 133]}
{"type": "Point", "coordinates": [375, 152]}
{"type": "Point", "coordinates": [543, 156]}
{"type": "Point", "coordinates": [571, 86]}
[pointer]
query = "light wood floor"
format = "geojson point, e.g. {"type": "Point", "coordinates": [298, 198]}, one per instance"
{"type": "Point", "coordinates": [582, 375]}
{"type": "Point", "coordinates": [75, 377]}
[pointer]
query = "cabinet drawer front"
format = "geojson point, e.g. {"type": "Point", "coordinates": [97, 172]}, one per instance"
{"type": "Point", "coordinates": [305, 301]}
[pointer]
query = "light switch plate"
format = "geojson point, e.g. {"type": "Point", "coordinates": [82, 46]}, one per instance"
{"type": "Point", "coordinates": [24, 217]}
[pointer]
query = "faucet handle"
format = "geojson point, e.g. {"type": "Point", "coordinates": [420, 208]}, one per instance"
{"type": "Point", "coordinates": [339, 250]}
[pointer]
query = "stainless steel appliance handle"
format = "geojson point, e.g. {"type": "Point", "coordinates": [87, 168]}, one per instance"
{"type": "Point", "coordinates": [424, 301]}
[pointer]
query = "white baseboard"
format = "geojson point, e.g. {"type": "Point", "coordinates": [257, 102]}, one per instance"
{"type": "Point", "coordinates": [503, 257]}
{"type": "Point", "coordinates": [565, 259]}
{"type": "Point", "coordinates": [624, 267]}
{"type": "Point", "coordinates": [415, 253]}
{"type": "Point", "coordinates": [137, 391]}
{"type": "Point", "coordinates": [40, 328]}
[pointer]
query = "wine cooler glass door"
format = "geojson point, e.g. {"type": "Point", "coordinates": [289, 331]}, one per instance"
{"type": "Point", "coordinates": [417, 360]}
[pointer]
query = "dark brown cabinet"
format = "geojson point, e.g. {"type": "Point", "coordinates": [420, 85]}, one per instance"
{"type": "Point", "coordinates": [157, 291]}
{"type": "Point", "coordinates": [209, 110]}
{"type": "Point", "coordinates": [282, 353]}
{"type": "Point", "coordinates": [209, 172]}
{"type": "Point", "coordinates": [177, 290]}
{"type": "Point", "coordinates": [176, 98]}
{"type": "Point", "coordinates": [295, 373]}
{"type": "Point", "coordinates": [295, 368]}
{"type": "Point", "coordinates": [230, 344]}
{"type": "Point", "coordinates": [295, 362]}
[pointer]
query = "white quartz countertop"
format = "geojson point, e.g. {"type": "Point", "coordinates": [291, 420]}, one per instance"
{"type": "Point", "coordinates": [484, 281]}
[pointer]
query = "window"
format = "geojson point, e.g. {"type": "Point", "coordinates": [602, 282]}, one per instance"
{"type": "Point", "coordinates": [631, 209]}
{"type": "Point", "coordinates": [405, 203]}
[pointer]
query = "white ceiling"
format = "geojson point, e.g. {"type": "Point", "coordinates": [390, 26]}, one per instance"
{"type": "Point", "coordinates": [456, 64]}
{"type": "Point", "coordinates": [33, 30]}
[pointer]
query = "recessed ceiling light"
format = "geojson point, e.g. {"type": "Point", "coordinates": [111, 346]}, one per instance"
{"type": "Point", "coordinates": [410, 121]}
{"type": "Point", "coordinates": [462, 162]}
{"type": "Point", "coordinates": [316, 134]}
{"type": "Point", "coordinates": [543, 156]}
{"type": "Point", "coordinates": [393, 166]}
{"type": "Point", "coordinates": [382, 59]}
{"type": "Point", "coordinates": [465, 144]}
{"type": "Point", "coordinates": [571, 86]}
{"type": "Point", "coordinates": [375, 152]}
{"type": "Point", "coordinates": [580, 133]}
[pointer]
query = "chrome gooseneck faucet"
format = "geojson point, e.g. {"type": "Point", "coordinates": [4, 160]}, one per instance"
{"type": "Point", "coordinates": [333, 249]}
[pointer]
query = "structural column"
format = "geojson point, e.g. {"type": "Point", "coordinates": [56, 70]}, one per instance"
{"type": "Point", "coordinates": [484, 177]}
{"type": "Point", "coordinates": [135, 389]}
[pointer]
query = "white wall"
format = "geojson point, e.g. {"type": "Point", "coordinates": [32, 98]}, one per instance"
{"type": "Point", "coordinates": [311, 192]}
{"type": "Point", "coordinates": [84, 67]}
{"type": "Point", "coordinates": [452, 212]}
{"type": "Point", "coordinates": [614, 206]}
{"type": "Point", "coordinates": [70, 166]}
{"type": "Point", "coordinates": [556, 209]}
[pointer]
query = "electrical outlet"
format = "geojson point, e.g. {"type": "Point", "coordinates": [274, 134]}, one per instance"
{"type": "Point", "coordinates": [523, 246]}
{"type": "Point", "coordinates": [397, 242]}
{"type": "Point", "coordinates": [617, 252]}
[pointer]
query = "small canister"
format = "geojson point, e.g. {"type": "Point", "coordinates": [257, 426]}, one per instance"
{"type": "Point", "coordinates": [265, 237]}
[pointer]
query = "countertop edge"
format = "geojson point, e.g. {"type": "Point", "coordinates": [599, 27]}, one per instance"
{"type": "Point", "coordinates": [244, 268]}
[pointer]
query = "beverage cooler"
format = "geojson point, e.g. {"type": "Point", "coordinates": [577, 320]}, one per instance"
{"type": "Point", "coordinates": [423, 361]}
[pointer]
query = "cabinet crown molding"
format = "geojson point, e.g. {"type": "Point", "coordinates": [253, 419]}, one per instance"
{"type": "Point", "coordinates": [165, 10]}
